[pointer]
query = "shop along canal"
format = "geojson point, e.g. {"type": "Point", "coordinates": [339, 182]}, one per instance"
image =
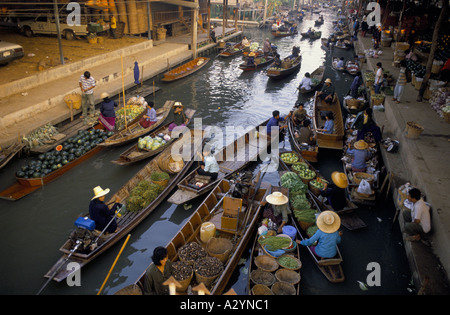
{"type": "Point", "coordinates": [34, 228]}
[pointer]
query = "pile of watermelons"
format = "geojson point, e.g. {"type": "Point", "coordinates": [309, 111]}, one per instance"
{"type": "Point", "coordinates": [72, 148]}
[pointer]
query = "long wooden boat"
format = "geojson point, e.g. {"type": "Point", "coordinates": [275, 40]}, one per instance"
{"type": "Point", "coordinates": [10, 152]}
{"type": "Point", "coordinates": [260, 61]}
{"type": "Point", "coordinates": [315, 35]}
{"type": "Point", "coordinates": [347, 45]}
{"type": "Point", "coordinates": [318, 76]}
{"type": "Point", "coordinates": [334, 140]}
{"type": "Point", "coordinates": [25, 186]}
{"type": "Point", "coordinates": [127, 221]}
{"type": "Point", "coordinates": [186, 69]}
{"type": "Point", "coordinates": [334, 65]}
{"type": "Point", "coordinates": [308, 152]}
{"type": "Point", "coordinates": [135, 130]}
{"type": "Point", "coordinates": [72, 128]}
{"type": "Point", "coordinates": [279, 73]}
{"type": "Point", "coordinates": [318, 22]}
{"type": "Point", "coordinates": [234, 50]}
{"type": "Point", "coordinates": [277, 33]}
{"type": "Point", "coordinates": [244, 149]}
{"type": "Point", "coordinates": [211, 210]}
{"type": "Point", "coordinates": [257, 251]}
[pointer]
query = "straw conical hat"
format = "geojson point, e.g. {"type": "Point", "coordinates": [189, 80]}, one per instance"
{"type": "Point", "coordinates": [328, 221]}
{"type": "Point", "coordinates": [361, 145]}
{"type": "Point", "coordinates": [277, 198]}
{"type": "Point", "coordinates": [99, 192]}
{"type": "Point", "coordinates": [340, 179]}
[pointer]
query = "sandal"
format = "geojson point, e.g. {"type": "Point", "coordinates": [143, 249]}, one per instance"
{"type": "Point", "coordinates": [394, 99]}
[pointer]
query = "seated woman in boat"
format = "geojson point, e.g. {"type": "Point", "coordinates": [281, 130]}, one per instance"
{"type": "Point", "coordinates": [245, 42]}
{"type": "Point", "coordinates": [306, 82]}
{"type": "Point", "coordinates": [278, 211]}
{"type": "Point", "coordinates": [179, 119]}
{"type": "Point", "coordinates": [299, 115]}
{"type": "Point", "coordinates": [150, 116]}
{"type": "Point", "coordinates": [335, 192]}
{"type": "Point", "coordinates": [100, 213]}
{"type": "Point", "coordinates": [107, 113]}
{"type": "Point", "coordinates": [208, 165]}
{"type": "Point", "coordinates": [328, 128]}
{"type": "Point", "coordinates": [295, 52]}
{"type": "Point", "coordinates": [158, 273]}
{"type": "Point", "coordinates": [305, 135]}
{"type": "Point", "coordinates": [277, 60]}
{"type": "Point", "coordinates": [293, 29]}
{"type": "Point", "coordinates": [251, 59]}
{"type": "Point", "coordinates": [327, 236]}
{"type": "Point", "coordinates": [327, 92]}
{"type": "Point", "coordinates": [340, 64]}
{"type": "Point", "coordinates": [360, 155]}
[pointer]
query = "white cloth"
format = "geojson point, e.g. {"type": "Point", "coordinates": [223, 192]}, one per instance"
{"type": "Point", "coordinates": [379, 76]}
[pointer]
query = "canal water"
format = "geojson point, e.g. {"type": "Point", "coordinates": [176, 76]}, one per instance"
{"type": "Point", "coordinates": [32, 229]}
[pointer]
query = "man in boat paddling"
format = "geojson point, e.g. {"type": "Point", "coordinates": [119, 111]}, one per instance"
{"type": "Point", "coordinates": [100, 213]}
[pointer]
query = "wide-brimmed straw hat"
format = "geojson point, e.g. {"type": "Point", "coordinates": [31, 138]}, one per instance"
{"type": "Point", "coordinates": [328, 221]}
{"type": "Point", "coordinates": [104, 95]}
{"type": "Point", "coordinates": [328, 80]}
{"type": "Point", "coordinates": [277, 198]}
{"type": "Point", "coordinates": [99, 192]}
{"type": "Point", "coordinates": [177, 104]}
{"type": "Point", "coordinates": [339, 179]}
{"type": "Point", "coordinates": [361, 145]}
{"type": "Point", "coordinates": [252, 54]}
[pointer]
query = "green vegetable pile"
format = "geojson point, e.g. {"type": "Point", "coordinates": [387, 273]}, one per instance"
{"type": "Point", "coordinates": [289, 157]}
{"type": "Point", "coordinates": [306, 215]}
{"type": "Point", "coordinates": [300, 202]}
{"type": "Point", "coordinates": [142, 195]}
{"type": "Point", "coordinates": [291, 181]}
{"type": "Point", "coordinates": [274, 243]}
{"type": "Point", "coordinates": [159, 176]}
{"type": "Point", "coordinates": [312, 230]}
{"type": "Point", "coordinates": [288, 262]}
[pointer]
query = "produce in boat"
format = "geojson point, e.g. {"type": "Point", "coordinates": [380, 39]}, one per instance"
{"type": "Point", "coordinates": [289, 157]}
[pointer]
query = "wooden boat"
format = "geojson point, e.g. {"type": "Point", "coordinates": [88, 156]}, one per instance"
{"type": "Point", "coordinates": [244, 149]}
{"type": "Point", "coordinates": [278, 33]}
{"type": "Point", "coordinates": [234, 50]}
{"type": "Point", "coordinates": [325, 45]}
{"type": "Point", "coordinates": [347, 45]}
{"type": "Point", "coordinates": [10, 152]}
{"type": "Point", "coordinates": [72, 128]}
{"type": "Point", "coordinates": [318, 22]}
{"type": "Point", "coordinates": [351, 67]}
{"type": "Point", "coordinates": [317, 75]}
{"type": "Point", "coordinates": [212, 210]}
{"type": "Point", "coordinates": [334, 65]}
{"type": "Point", "coordinates": [334, 140]}
{"type": "Point", "coordinates": [308, 152]}
{"type": "Point", "coordinates": [257, 251]}
{"type": "Point", "coordinates": [260, 61]}
{"type": "Point", "coordinates": [135, 130]}
{"type": "Point", "coordinates": [185, 70]}
{"type": "Point", "coordinates": [279, 73]}
{"type": "Point", "coordinates": [127, 221]}
{"type": "Point", "coordinates": [134, 154]}
{"type": "Point", "coordinates": [315, 35]}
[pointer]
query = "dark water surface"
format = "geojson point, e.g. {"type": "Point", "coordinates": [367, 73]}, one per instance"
{"type": "Point", "coordinates": [33, 228]}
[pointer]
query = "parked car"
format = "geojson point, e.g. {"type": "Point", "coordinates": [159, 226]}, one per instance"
{"type": "Point", "coordinates": [46, 24]}
{"type": "Point", "coordinates": [10, 52]}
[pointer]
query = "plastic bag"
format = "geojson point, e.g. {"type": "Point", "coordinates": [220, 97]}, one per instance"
{"type": "Point", "coordinates": [364, 187]}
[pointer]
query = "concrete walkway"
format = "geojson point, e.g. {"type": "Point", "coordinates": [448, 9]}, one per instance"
{"type": "Point", "coordinates": [423, 163]}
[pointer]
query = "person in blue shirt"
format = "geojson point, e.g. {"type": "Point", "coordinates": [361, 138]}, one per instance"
{"type": "Point", "coordinates": [329, 124]}
{"type": "Point", "coordinates": [107, 112]}
{"type": "Point", "coordinates": [327, 235]}
{"type": "Point", "coordinates": [360, 155]}
{"type": "Point", "coordinates": [273, 122]}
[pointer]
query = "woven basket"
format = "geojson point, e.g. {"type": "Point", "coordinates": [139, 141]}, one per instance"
{"type": "Point", "coordinates": [358, 176]}
{"type": "Point", "coordinates": [219, 248]}
{"type": "Point", "coordinates": [305, 225]}
{"type": "Point", "coordinates": [74, 99]}
{"type": "Point", "coordinates": [262, 277]}
{"type": "Point", "coordinates": [353, 102]}
{"type": "Point", "coordinates": [286, 275]}
{"type": "Point", "coordinates": [283, 288]}
{"type": "Point", "coordinates": [413, 130]}
{"type": "Point", "coordinates": [261, 289]}
{"type": "Point", "coordinates": [299, 263]}
{"type": "Point", "coordinates": [266, 263]}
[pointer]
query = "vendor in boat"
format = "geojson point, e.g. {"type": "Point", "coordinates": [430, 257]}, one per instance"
{"type": "Point", "coordinates": [277, 60]}
{"type": "Point", "coordinates": [340, 64]}
{"type": "Point", "coordinates": [327, 236]}
{"type": "Point", "coordinates": [179, 119]}
{"type": "Point", "coordinates": [306, 82]}
{"type": "Point", "coordinates": [251, 59]}
{"type": "Point", "coordinates": [100, 213]}
{"type": "Point", "coordinates": [267, 48]}
{"type": "Point", "coordinates": [293, 29]}
{"type": "Point", "coordinates": [299, 115]}
{"type": "Point", "coordinates": [295, 52]}
{"type": "Point", "coordinates": [107, 113]}
{"type": "Point", "coordinates": [357, 81]}
{"type": "Point", "coordinates": [158, 273]}
{"type": "Point", "coordinates": [360, 155]}
{"type": "Point", "coordinates": [273, 122]}
{"type": "Point", "coordinates": [245, 42]}
{"type": "Point", "coordinates": [150, 116]}
{"type": "Point", "coordinates": [278, 211]}
{"type": "Point", "coordinates": [335, 192]}
{"type": "Point", "coordinates": [327, 92]}
{"type": "Point", "coordinates": [364, 124]}
{"type": "Point", "coordinates": [305, 135]}
{"type": "Point", "coordinates": [208, 165]}
{"type": "Point", "coordinates": [328, 128]}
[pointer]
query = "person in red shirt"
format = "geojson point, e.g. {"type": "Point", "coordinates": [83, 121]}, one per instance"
{"type": "Point", "coordinates": [445, 71]}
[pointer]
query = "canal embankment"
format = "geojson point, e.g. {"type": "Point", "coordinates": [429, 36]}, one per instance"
{"type": "Point", "coordinates": [421, 162]}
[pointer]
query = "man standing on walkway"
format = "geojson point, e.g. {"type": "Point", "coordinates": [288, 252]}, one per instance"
{"type": "Point", "coordinates": [87, 85]}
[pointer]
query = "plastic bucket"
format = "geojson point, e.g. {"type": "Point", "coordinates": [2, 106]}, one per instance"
{"type": "Point", "coordinates": [290, 231]}
{"type": "Point", "coordinates": [207, 231]}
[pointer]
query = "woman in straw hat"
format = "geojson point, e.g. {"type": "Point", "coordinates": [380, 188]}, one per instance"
{"type": "Point", "coordinates": [335, 192]}
{"type": "Point", "coordinates": [179, 119]}
{"type": "Point", "coordinates": [107, 112]}
{"type": "Point", "coordinates": [327, 236]}
{"type": "Point", "coordinates": [100, 213]}
{"type": "Point", "coordinates": [279, 210]}
{"type": "Point", "coordinates": [360, 155]}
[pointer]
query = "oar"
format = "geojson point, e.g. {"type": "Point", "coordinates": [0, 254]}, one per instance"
{"type": "Point", "coordinates": [113, 265]}
{"type": "Point", "coordinates": [78, 243]}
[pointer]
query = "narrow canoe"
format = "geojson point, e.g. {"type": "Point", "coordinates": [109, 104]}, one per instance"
{"type": "Point", "coordinates": [212, 210]}
{"type": "Point", "coordinates": [278, 33]}
{"type": "Point", "coordinates": [185, 70]}
{"type": "Point", "coordinates": [334, 65]}
{"type": "Point", "coordinates": [308, 152]}
{"type": "Point", "coordinates": [128, 221]}
{"type": "Point", "coordinates": [135, 130]}
{"type": "Point", "coordinates": [334, 140]}
{"type": "Point", "coordinates": [260, 62]}
{"type": "Point", "coordinates": [10, 152]}
{"type": "Point", "coordinates": [234, 50]}
{"type": "Point", "coordinates": [245, 149]}
{"type": "Point", "coordinates": [318, 76]}
{"type": "Point", "coordinates": [277, 73]}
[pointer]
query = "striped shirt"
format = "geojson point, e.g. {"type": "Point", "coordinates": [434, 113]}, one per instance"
{"type": "Point", "coordinates": [87, 83]}
{"type": "Point", "coordinates": [402, 77]}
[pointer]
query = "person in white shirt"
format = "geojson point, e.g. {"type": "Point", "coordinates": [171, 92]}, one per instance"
{"type": "Point", "coordinates": [417, 221]}
{"type": "Point", "coordinates": [209, 165]}
{"type": "Point", "coordinates": [378, 78]}
{"type": "Point", "coordinates": [306, 82]}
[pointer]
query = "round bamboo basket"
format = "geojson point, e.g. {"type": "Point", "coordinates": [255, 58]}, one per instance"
{"type": "Point", "coordinates": [261, 289]}
{"type": "Point", "coordinates": [359, 176]}
{"type": "Point", "coordinates": [74, 99]}
{"type": "Point", "coordinates": [413, 130]}
{"type": "Point", "coordinates": [283, 288]}
{"type": "Point", "coordinates": [219, 247]}
{"type": "Point", "coordinates": [286, 275]}
{"type": "Point", "coordinates": [266, 263]}
{"type": "Point", "coordinates": [262, 277]}
{"type": "Point", "coordinates": [299, 263]}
